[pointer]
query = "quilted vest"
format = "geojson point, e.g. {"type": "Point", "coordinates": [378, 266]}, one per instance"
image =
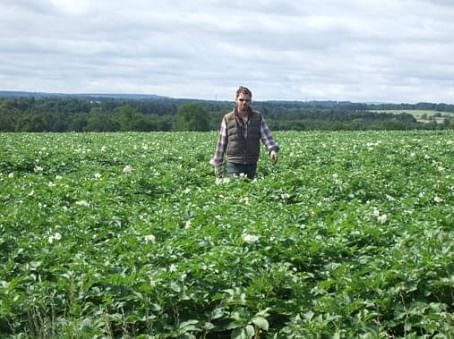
{"type": "Point", "coordinates": [243, 139]}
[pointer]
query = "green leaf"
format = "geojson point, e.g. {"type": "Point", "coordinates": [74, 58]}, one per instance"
{"type": "Point", "coordinates": [261, 322]}
{"type": "Point", "coordinates": [237, 334]}
{"type": "Point", "coordinates": [189, 325]}
{"type": "Point", "coordinates": [250, 331]}
{"type": "Point", "coordinates": [234, 324]}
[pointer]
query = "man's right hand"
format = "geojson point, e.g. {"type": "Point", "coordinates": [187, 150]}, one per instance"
{"type": "Point", "coordinates": [219, 171]}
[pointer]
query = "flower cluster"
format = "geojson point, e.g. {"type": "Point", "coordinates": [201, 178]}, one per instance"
{"type": "Point", "coordinates": [54, 237]}
{"type": "Point", "coordinates": [381, 218]}
{"type": "Point", "coordinates": [250, 238]}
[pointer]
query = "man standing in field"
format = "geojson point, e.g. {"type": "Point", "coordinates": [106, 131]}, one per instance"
{"type": "Point", "coordinates": [239, 138]}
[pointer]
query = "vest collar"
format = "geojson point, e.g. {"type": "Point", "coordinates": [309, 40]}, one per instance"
{"type": "Point", "coordinates": [249, 112]}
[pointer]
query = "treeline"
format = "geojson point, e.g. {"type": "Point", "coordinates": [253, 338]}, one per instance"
{"type": "Point", "coordinates": [61, 114]}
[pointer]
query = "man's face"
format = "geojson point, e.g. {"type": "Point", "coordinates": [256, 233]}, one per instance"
{"type": "Point", "coordinates": [243, 102]}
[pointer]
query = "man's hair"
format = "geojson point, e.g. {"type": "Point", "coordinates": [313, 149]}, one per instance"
{"type": "Point", "coordinates": [243, 90]}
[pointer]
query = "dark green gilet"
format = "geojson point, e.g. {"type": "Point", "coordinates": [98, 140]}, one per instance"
{"type": "Point", "coordinates": [243, 141]}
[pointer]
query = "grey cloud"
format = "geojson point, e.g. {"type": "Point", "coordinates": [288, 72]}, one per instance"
{"type": "Point", "coordinates": [351, 50]}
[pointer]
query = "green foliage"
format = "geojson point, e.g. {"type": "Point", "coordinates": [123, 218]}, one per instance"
{"type": "Point", "coordinates": [192, 117]}
{"type": "Point", "coordinates": [68, 113]}
{"type": "Point", "coordinates": [101, 122]}
{"type": "Point", "coordinates": [129, 235]}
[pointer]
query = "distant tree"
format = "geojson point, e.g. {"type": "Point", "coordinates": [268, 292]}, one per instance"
{"type": "Point", "coordinates": [32, 123]}
{"type": "Point", "coordinates": [192, 117]}
{"type": "Point", "coordinates": [451, 123]}
{"type": "Point", "coordinates": [7, 119]}
{"type": "Point", "coordinates": [393, 125]}
{"type": "Point", "coordinates": [128, 118]}
{"type": "Point", "coordinates": [101, 122]}
{"type": "Point", "coordinates": [78, 122]}
{"type": "Point", "coordinates": [165, 123]}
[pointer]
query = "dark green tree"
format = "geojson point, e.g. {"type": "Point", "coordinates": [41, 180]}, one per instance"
{"type": "Point", "coordinates": [192, 117]}
{"type": "Point", "coordinates": [101, 122]}
{"type": "Point", "coordinates": [7, 118]}
{"type": "Point", "coordinates": [32, 123]}
{"type": "Point", "coordinates": [78, 122]}
{"type": "Point", "coordinates": [128, 118]}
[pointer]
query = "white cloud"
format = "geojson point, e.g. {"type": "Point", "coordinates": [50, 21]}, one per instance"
{"type": "Point", "coordinates": [72, 7]}
{"type": "Point", "coordinates": [388, 50]}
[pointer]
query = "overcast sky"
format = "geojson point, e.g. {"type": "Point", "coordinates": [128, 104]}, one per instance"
{"type": "Point", "coordinates": [356, 50]}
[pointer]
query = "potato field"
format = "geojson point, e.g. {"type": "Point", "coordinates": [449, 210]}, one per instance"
{"type": "Point", "coordinates": [129, 235]}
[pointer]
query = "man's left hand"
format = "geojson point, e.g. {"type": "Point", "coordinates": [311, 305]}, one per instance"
{"type": "Point", "coordinates": [273, 157]}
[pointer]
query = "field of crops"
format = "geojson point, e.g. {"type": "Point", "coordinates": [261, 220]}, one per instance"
{"type": "Point", "coordinates": [130, 235]}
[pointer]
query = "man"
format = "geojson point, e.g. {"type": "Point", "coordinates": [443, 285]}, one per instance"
{"type": "Point", "coordinates": [239, 139]}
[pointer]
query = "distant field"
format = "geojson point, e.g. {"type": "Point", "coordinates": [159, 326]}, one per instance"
{"type": "Point", "coordinates": [420, 115]}
{"type": "Point", "coordinates": [110, 235]}
{"type": "Point", "coordinates": [415, 113]}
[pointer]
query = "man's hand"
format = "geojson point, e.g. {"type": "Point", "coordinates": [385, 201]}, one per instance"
{"type": "Point", "coordinates": [218, 169]}
{"type": "Point", "coordinates": [273, 157]}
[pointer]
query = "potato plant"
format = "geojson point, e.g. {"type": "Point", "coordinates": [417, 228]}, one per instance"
{"type": "Point", "coordinates": [130, 235]}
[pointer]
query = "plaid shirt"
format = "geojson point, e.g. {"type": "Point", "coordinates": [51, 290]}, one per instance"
{"type": "Point", "coordinates": [265, 135]}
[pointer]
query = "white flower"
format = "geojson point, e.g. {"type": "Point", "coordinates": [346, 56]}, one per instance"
{"type": "Point", "coordinates": [376, 212]}
{"type": "Point", "coordinates": [188, 224]}
{"type": "Point", "coordinates": [37, 169]}
{"type": "Point", "coordinates": [127, 169]}
{"type": "Point", "coordinates": [245, 200]}
{"type": "Point", "coordinates": [438, 199]}
{"type": "Point", "coordinates": [382, 218]}
{"type": "Point", "coordinates": [250, 238]}
{"type": "Point", "coordinates": [220, 181]}
{"type": "Point", "coordinates": [172, 268]}
{"type": "Point", "coordinates": [54, 237]}
{"type": "Point", "coordinates": [11, 175]}
{"type": "Point", "coordinates": [149, 238]}
{"type": "Point", "coordinates": [82, 203]}
{"type": "Point", "coordinates": [51, 185]}
{"type": "Point", "coordinates": [285, 196]}
{"type": "Point", "coordinates": [103, 148]}
{"type": "Point", "coordinates": [97, 175]}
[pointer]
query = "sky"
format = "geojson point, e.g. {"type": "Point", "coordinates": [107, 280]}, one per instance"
{"type": "Point", "coordinates": [353, 50]}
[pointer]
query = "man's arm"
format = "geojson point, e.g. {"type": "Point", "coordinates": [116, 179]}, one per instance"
{"type": "Point", "coordinates": [267, 138]}
{"type": "Point", "coordinates": [216, 161]}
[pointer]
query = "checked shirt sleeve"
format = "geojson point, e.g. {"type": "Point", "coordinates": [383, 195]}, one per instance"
{"type": "Point", "coordinates": [221, 145]}
{"type": "Point", "coordinates": [267, 138]}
